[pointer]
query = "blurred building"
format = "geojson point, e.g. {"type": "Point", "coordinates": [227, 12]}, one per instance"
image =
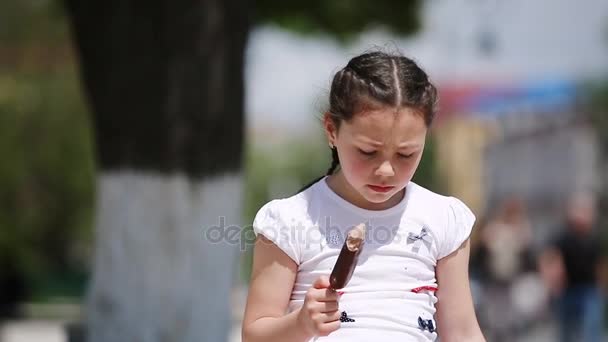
{"type": "Point", "coordinates": [532, 140]}
{"type": "Point", "coordinates": [512, 77]}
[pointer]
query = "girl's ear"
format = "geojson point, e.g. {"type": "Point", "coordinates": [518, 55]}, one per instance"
{"type": "Point", "coordinates": [331, 131]}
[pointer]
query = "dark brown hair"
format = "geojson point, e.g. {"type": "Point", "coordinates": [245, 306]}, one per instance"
{"type": "Point", "coordinates": [375, 80]}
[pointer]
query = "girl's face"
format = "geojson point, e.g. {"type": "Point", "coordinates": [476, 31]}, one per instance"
{"type": "Point", "coordinates": [379, 151]}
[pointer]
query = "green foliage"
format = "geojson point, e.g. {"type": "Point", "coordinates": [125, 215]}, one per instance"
{"type": "Point", "coordinates": [599, 100]}
{"type": "Point", "coordinates": [598, 95]}
{"type": "Point", "coordinates": [426, 174]}
{"type": "Point", "coordinates": [341, 18]}
{"type": "Point", "coordinates": [46, 177]}
{"type": "Point", "coordinates": [46, 172]}
{"type": "Point", "coordinates": [282, 170]}
{"type": "Point", "coordinates": [26, 21]}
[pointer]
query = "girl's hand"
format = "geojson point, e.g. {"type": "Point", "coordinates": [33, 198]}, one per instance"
{"type": "Point", "coordinates": [319, 315]}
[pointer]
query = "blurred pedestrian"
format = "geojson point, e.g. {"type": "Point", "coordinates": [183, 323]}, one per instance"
{"type": "Point", "coordinates": [573, 268]}
{"type": "Point", "coordinates": [504, 256]}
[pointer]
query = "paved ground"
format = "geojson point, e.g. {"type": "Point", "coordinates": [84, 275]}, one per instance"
{"type": "Point", "coordinates": [33, 331]}
{"type": "Point", "coordinates": [53, 330]}
{"type": "Point", "coordinates": [50, 330]}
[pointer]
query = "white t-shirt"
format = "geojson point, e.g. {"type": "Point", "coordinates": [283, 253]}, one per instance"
{"type": "Point", "coordinates": [402, 247]}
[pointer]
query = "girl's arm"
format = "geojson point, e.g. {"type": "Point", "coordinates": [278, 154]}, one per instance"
{"type": "Point", "coordinates": [272, 280]}
{"type": "Point", "coordinates": [456, 320]}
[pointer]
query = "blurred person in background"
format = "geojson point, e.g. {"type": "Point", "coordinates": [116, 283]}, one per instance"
{"type": "Point", "coordinates": [573, 269]}
{"type": "Point", "coordinates": [502, 258]}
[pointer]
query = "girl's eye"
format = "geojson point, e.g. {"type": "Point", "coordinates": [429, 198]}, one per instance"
{"type": "Point", "coordinates": [406, 156]}
{"type": "Point", "coordinates": [367, 153]}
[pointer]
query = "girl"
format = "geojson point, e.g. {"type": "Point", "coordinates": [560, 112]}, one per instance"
{"type": "Point", "coordinates": [411, 281]}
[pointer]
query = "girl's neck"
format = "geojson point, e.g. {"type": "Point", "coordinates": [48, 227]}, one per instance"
{"type": "Point", "coordinates": [338, 184]}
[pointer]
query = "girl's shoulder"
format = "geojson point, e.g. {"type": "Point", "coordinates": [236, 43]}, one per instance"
{"type": "Point", "coordinates": [287, 212]}
{"type": "Point", "coordinates": [291, 207]}
{"type": "Point", "coordinates": [282, 220]}
{"type": "Point", "coordinates": [448, 218]}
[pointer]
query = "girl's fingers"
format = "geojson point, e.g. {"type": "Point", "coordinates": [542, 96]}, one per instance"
{"type": "Point", "coordinates": [331, 316]}
{"type": "Point", "coordinates": [326, 295]}
{"type": "Point", "coordinates": [329, 307]}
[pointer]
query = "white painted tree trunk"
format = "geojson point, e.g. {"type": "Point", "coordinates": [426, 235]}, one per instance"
{"type": "Point", "coordinates": [156, 277]}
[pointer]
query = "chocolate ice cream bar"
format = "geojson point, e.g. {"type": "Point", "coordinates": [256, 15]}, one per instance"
{"type": "Point", "coordinates": [347, 260]}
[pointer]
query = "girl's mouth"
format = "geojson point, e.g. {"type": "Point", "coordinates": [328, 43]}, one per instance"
{"type": "Point", "coordinates": [382, 189]}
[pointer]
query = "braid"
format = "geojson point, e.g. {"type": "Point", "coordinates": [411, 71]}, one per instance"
{"type": "Point", "coordinates": [335, 161]}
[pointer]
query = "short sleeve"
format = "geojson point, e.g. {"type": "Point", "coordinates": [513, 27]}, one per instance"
{"type": "Point", "coordinates": [272, 225]}
{"type": "Point", "coordinates": [459, 225]}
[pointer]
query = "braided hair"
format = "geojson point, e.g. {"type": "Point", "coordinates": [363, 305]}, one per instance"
{"type": "Point", "coordinates": [374, 80]}
{"type": "Point", "coordinates": [335, 161]}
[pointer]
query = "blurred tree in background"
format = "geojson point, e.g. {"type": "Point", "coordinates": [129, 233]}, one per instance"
{"type": "Point", "coordinates": [164, 81]}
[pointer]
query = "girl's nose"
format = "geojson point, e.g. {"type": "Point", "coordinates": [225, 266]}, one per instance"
{"type": "Point", "coordinates": [385, 169]}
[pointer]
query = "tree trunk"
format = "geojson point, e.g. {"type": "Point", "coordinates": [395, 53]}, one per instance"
{"type": "Point", "coordinates": [164, 81]}
{"type": "Point", "coordinates": [156, 276]}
